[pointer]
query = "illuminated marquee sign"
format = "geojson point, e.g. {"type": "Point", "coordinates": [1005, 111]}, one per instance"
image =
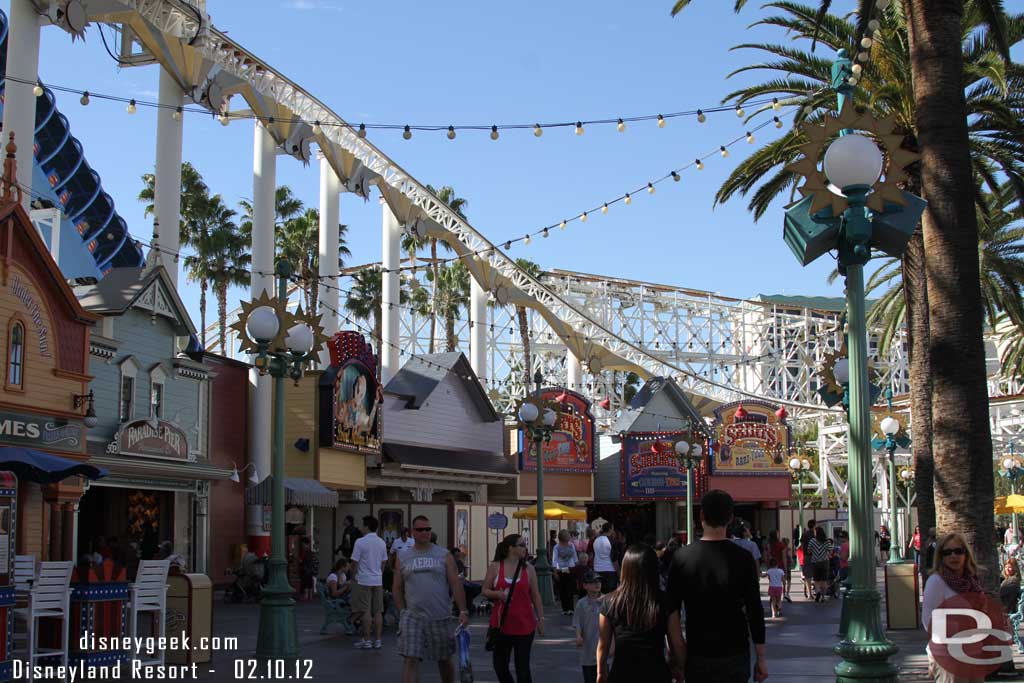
{"type": "Point", "coordinates": [754, 442]}
{"type": "Point", "coordinates": [650, 468]}
{"type": "Point", "coordinates": [350, 396]}
{"type": "Point", "coordinates": [571, 448]}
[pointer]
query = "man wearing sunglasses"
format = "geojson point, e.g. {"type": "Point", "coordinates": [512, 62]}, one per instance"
{"type": "Point", "coordinates": [426, 579]}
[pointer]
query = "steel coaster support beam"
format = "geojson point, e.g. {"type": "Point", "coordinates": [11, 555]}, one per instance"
{"type": "Point", "coordinates": [167, 186]}
{"type": "Point", "coordinates": [391, 235]}
{"type": "Point", "coordinates": [574, 371]}
{"type": "Point", "coordinates": [478, 331]}
{"type": "Point", "coordinates": [19, 100]}
{"type": "Point", "coordinates": [328, 294]}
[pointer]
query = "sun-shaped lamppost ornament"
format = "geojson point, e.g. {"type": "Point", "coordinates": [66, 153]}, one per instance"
{"type": "Point", "coordinates": [852, 165]}
{"type": "Point", "coordinates": [282, 343]}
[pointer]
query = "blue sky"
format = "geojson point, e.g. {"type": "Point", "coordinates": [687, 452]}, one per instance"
{"type": "Point", "coordinates": [483, 63]}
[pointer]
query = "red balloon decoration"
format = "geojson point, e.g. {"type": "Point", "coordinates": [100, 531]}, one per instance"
{"type": "Point", "coordinates": [782, 413]}
{"type": "Point", "coordinates": [740, 412]}
{"type": "Point", "coordinates": [562, 397]}
{"type": "Point", "coordinates": [605, 404]}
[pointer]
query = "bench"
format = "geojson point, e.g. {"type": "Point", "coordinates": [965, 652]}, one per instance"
{"type": "Point", "coordinates": [335, 611]}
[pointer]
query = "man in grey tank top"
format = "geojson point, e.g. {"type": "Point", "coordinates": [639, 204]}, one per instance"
{"type": "Point", "coordinates": [425, 582]}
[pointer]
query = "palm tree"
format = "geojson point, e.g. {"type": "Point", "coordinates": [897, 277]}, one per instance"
{"type": "Point", "coordinates": [216, 248]}
{"type": "Point", "coordinates": [452, 296]}
{"type": "Point", "coordinates": [298, 242]}
{"type": "Point", "coordinates": [364, 298]}
{"type": "Point", "coordinates": [523, 320]}
{"type": "Point", "coordinates": [193, 193]}
{"type": "Point", "coordinates": [457, 204]}
{"type": "Point", "coordinates": [960, 435]}
{"type": "Point", "coordinates": [885, 90]}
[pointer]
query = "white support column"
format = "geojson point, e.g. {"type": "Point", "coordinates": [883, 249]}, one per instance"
{"type": "Point", "coordinates": [167, 200]}
{"type": "Point", "coordinates": [264, 167]}
{"type": "Point", "coordinates": [19, 100]}
{"type": "Point", "coordinates": [478, 331]}
{"type": "Point", "coordinates": [573, 371]}
{"type": "Point", "coordinates": [330, 187]}
{"type": "Point", "coordinates": [391, 234]}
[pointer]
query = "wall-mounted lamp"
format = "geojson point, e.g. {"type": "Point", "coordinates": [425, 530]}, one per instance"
{"type": "Point", "coordinates": [254, 478]}
{"type": "Point", "coordinates": [90, 411]}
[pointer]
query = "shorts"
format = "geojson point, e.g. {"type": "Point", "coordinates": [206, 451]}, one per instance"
{"type": "Point", "coordinates": [424, 638]}
{"type": "Point", "coordinates": [774, 591]}
{"type": "Point", "coordinates": [368, 600]}
{"type": "Point", "coordinates": [819, 570]}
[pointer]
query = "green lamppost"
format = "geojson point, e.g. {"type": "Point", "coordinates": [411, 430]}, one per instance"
{"type": "Point", "coordinates": [848, 207]}
{"type": "Point", "coordinates": [538, 420]}
{"type": "Point", "coordinates": [799, 467]}
{"type": "Point", "coordinates": [1012, 470]}
{"type": "Point", "coordinates": [282, 343]}
{"type": "Point", "coordinates": [894, 435]}
{"type": "Point", "coordinates": [689, 457]}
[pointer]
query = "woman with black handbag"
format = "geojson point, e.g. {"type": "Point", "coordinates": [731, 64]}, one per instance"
{"type": "Point", "coordinates": [518, 611]}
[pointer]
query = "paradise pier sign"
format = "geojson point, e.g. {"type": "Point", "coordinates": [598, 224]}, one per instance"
{"type": "Point", "coordinates": [151, 438]}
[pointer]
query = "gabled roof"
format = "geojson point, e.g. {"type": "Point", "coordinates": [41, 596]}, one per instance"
{"type": "Point", "coordinates": [122, 287]}
{"type": "Point", "coordinates": [418, 379]}
{"type": "Point", "coordinates": [648, 391]}
{"type": "Point", "coordinates": [442, 459]}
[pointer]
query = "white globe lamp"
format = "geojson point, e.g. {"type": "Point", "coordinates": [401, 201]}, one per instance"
{"type": "Point", "coordinates": [890, 426]}
{"type": "Point", "coordinates": [853, 160]}
{"type": "Point", "coordinates": [842, 370]}
{"type": "Point", "coordinates": [528, 412]}
{"type": "Point", "coordinates": [550, 417]}
{"type": "Point", "coordinates": [262, 324]}
{"type": "Point", "coordinates": [794, 464]}
{"type": "Point", "coordinates": [299, 339]}
{"type": "Point", "coordinates": [682, 448]}
{"type": "Point", "coordinates": [1008, 464]}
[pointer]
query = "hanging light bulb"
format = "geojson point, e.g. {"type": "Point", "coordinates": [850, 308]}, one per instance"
{"type": "Point", "coordinates": [627, 199]}
{"type": "Point", "coordinates": [856, 69]}
{"type": "Point", "coordinates": [650, 188]}
{"type": "Point", "coordinates": [661, 121]}
{"type": "Point", "coordinates": [177, 114]}
{"type": "Point", "coordinates": [223, 118]}
{"type": "Point", "coordinates": [866, 43]}
{"type": "Point", "coordinates": [778, 121]}
{"type": "Point", "coordinates": [583, 217]}
{"type": "Point", "coordinates": [724, 151]}
{"type": "Point", "coordinates": [874, 25]}
{"type": "Point", "coordinates": [537, 130]}
{"type": "Point", "coordinates": [739, 111]}
{"type": "Point", "coordinates": [776, 105]}
{"type": "Point", "coordinates": [579, 128]}
{"type": "Point", "coordinates": [527, 240]}
{"type": "Point", "coordinates": [750, 138]}
{"type": "Point", "coordinates": [700, 164]}
{"type": "Point", "coordinates": [508, 245]}
{"type": "Point", "coordinates": [852, 80]}
{"type": "Point", "coordinates": [700, 116]}
{"type": "Point", "coordinates": [561, 225]}
{"type": "Point", "coordinates": [544, 233]}
{"type": "Point", "coordinates": [494, 132]}
{"type": "Point", "coordinates": [38, 90]}
{"type": "Point", "coordinates": [451, 132]}
{"type": "Point", "coordinates": [131, 107]}
{"type": "Point", "coordinates": [84, 100]}
{"type": "Point", "coordinates": [621, 126]}
{"type": "Point", "coordinates": [407, 133]}
{"type": "Point", "coordinates": [604, 208]}
{"type": "Point", "coordinates": [675, 176]}
{"type": "Point", "coordinates": [362, 130]}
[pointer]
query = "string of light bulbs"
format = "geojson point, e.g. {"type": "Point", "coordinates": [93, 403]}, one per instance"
{"type": "Point", "coordinates": [133, 104]}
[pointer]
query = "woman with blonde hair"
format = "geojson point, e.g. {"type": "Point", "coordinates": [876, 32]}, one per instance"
{"type": "Point", "coordinates": [954, 572]}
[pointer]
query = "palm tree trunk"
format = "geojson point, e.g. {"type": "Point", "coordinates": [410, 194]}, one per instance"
{"type": "Point", "coordinates": [202, 311]}
{"type": "Point", "coordinates": [915, 293]}
{"type": "Point", "coordinates": [524, 338]}
{"type": "Point", "coordinates": [378, 326]}
{"type": "Point", "coordinates": [961, 440]}
{"type": "Point", "coordinates": [222, 313]}
{"type": "Point", "coordinates": [449, 331]}
{"type": "Point", "coordinates": [433, 292]}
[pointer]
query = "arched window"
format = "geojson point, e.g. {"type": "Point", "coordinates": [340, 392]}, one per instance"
{"type": "Point", "coordinates": [16, 357]}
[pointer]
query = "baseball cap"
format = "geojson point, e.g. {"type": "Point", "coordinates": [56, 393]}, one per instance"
{"type": "Point", "coordinates": [591, 577]}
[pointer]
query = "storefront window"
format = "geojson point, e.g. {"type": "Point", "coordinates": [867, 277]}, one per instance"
{"type": "Point", "coordinates": [16, 361]}
{"type": "Point", "coordinates": [127, 391]}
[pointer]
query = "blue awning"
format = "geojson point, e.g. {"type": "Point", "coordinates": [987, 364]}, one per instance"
{"type": "Point", "coordinates": [44, 468]}
{"type": "Point", "coordinates": [297, 491]}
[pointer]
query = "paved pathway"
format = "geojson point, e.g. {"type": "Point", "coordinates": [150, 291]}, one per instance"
{"type": "Point", "coordinates": [799, 648]}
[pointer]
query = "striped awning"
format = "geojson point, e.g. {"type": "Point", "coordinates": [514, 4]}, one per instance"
{"type": "Point", "coordinates": [302, 492]}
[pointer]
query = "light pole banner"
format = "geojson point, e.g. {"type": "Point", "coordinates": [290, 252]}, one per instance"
{"type": "Point", "coordinates": [751, 437]}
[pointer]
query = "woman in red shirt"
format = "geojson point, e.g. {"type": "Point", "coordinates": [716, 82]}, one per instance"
{"type": "Point", "coordinates": [525, 612]}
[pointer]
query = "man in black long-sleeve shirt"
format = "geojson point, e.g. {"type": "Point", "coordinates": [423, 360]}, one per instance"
{"type": "Point", "coordinates": [717, 584]}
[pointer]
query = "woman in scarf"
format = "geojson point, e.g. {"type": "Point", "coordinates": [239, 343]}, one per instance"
{"type": "Point", "coordinates": [954, 572]}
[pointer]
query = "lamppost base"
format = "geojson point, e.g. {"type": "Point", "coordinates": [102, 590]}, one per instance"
{"type": "Point", "coordinates": [865, 650]}
{"type": "Point", "coordinates": [278, 636]}
{"type": "Point", "coordinates": [543, 570]}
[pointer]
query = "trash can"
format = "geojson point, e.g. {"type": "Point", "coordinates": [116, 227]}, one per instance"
{"type": "Point", "coordinates": [901, 596]}
{"type": "Point", "coordinates": [189, 615]}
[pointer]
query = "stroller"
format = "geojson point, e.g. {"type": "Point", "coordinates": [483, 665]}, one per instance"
{"type": "Point", "coordinates": [249, 580]}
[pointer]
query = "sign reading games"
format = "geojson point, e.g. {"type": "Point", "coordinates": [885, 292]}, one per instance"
{"type": "Point", "coordinates": [159, 439]}
{"type": "Point", "coordinates": [571, 448]}
{"type": "Point", "coordinates": [51, 433]}
{"type": "Point", "coordinates": [350, 396]}
{"type": "Point", "coordinates": [650, 467]}
{"type": "Point", "coordinates": [754, 442]}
